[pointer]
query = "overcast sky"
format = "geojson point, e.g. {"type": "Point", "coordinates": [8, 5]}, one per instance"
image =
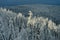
{"type": "Point", "coordinates": [21, 2]}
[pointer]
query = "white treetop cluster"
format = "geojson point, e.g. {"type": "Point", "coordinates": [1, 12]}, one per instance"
{"type": "Point", "coordinates": [15, 26]}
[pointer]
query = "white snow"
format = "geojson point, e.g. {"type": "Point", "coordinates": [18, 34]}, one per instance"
{"type": "Point", "coordinates": [15, 26]}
